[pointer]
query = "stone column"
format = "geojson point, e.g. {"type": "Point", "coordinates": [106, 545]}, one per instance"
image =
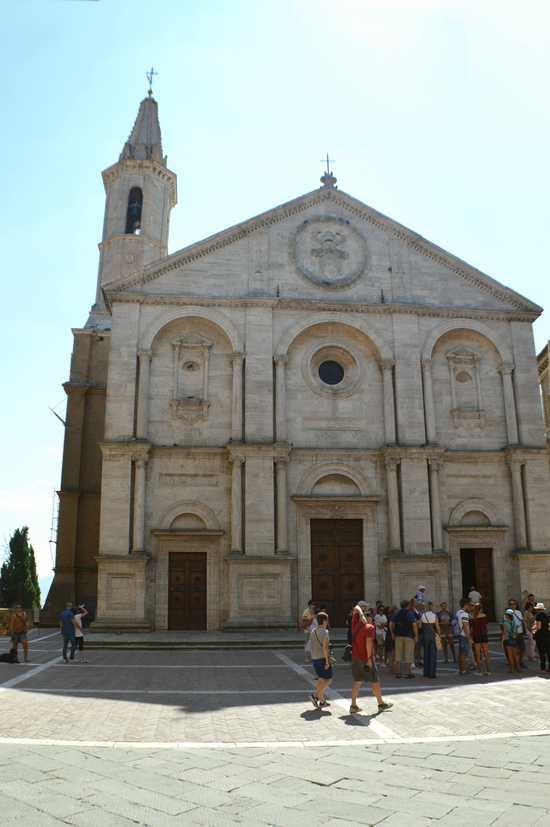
{"type": "Point", "coordinates": [142, 418]}
{"type": "Point", "coordinates": [437, 532]}
{"type": "Point", "coordinates": [515, 464]}
{"type": "Point", "coordinates": [236, 504]}
{"type": "Point", "coordinates": [509, 404]}
{"type": "Point", "coordinates": [393, 504]}
{"type": "Point", "coordinates": [237, 397]}
{"type": "Point", "coordinates": [429, 406]}
{"type": "Point", "coordinates": [280, 393]}
{"type": "Point", "coordinates": [138, 543]}
{"type": "Point", "coordinates": [386, 367]}
{"type": "Point", "coordinates": [282, 505]}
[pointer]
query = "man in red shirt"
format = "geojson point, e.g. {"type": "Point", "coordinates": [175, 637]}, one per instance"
{"type": "Point", "coordinates": [363, 664]}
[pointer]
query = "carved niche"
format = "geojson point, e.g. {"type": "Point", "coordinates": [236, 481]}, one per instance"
{"type": "Point", "coordinates": [191, 359]}
{"type": "Point", "coordinates": [329, 251]}
{"type": "Point", "coordinates": [466, 398]}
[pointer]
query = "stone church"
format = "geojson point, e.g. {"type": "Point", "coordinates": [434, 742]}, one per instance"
{"type": "Point", "coordinates": [315, 402]}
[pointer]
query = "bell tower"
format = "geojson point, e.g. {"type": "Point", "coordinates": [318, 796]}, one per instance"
{"type": "Point", "coordinates": [140, 193]}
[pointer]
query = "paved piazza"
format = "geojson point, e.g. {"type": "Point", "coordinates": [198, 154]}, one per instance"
{"type": "Point", "coordinates": [228, 736]}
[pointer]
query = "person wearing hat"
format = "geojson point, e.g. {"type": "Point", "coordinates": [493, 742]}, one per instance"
{"type": "Point", "coordinates": [542, 636]}
{"type": "Point", "coordinates": [511, 630]}
{"type": "Point", "coordinates": [420, 595]}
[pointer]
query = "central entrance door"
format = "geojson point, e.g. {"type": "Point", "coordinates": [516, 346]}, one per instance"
{"type": "Point", "coordinates": [187, 595]}
{"type": "Point", "coordinates": [337, 566]}
{"type": "Point", "coordinates": [477, 570]}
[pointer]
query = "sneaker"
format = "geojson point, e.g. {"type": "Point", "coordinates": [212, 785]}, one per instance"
{"type": "Point", "coordinates": [314, 700]}
{"type": "Point", "coordinates": [354, 708]}
{"type": "Point", "coordinates": [323, 704]}
{"type": "Point", "coordinates": [384, 705]}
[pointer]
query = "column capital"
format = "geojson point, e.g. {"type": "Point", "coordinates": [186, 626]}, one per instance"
{"type": "Point", "coordinates": [506, 368]}
{"type": "Point", "coordinates": [391, 463]}
{"type": "Point", "coordinates": [140, 453]}
{"type": "Point", "coordinates": [280, 359]}
{"type": "Point", "coordinates": [386, 364]}
{"type": "Point", "coordinates": [435, 463]}
{"type": "Point", "coordinates": [426, 363]}
{"type": "Point", "coordinates": [514, 460]}
{"type": "Point", "coordinates": [145, 354]}
{"type": "Point", "coordinates": [281, 452]}
{"type": "Point", "coordinates": [236, 456]}
{"type": "Point", "coordinates": [237, 357]}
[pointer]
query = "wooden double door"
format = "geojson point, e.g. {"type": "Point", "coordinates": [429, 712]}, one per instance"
{"type": "Point", "coordinates": [477, 570]}
{"type": "Point", "coordinates": [337, 566]}
{"type": "Point", "coordinates": [187, 590]}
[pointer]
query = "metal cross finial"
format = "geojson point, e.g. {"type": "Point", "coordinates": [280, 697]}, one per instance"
{"type": "Point", "coordinates": [149, 75]}
{"type": "Point", "coordinates": [328, 161]}
{"type": "Point", "coordinates": [328, 179]}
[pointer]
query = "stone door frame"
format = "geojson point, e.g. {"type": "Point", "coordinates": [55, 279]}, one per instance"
{"type": "Point", "coordinates": [337, 508]}
{"type": "Point", "coordinates": [201, 541]}
{"type": "Point", "coordinates": [490, 537]}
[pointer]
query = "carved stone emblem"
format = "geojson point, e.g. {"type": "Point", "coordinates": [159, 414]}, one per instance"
{"type": "Point", "coordinates": [329, 251]}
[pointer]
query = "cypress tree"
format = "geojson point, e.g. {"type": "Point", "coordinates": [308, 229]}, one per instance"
{"type": "Point", "coordinates": [18, 578]}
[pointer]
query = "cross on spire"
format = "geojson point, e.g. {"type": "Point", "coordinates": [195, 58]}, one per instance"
{"type": "Point", "coordinates": [328, 179]}
{"type": "Point", "coordinates": [150, 75]}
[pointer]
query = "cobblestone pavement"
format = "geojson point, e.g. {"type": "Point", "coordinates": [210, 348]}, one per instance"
{"type": "Point", "coordinates": [223, 737]}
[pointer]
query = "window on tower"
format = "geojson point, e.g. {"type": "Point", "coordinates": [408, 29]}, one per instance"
{"type": "Point", "coordinates": [133, 214]}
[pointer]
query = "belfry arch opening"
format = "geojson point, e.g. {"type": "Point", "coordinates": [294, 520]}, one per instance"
{"type": "Point", "coordinates": [133, 213]}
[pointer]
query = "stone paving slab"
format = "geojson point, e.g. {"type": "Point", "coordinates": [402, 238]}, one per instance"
{"type": "Point", "coordinates": [88, 787]}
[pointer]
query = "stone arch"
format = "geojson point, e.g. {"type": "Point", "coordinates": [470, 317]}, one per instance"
{"type": "Point", "coordinates": [466, 324]}
{"type": "Point", "coordinates": [203, 512]}
{"type": "Point", "coordinates": [464, 507]}
{"type": "Point", "coordinates": [318, 472]}
{"type": "Point", "coordinates": [288, 337]}
{"type": "Point", "coordinates": [173, 314]}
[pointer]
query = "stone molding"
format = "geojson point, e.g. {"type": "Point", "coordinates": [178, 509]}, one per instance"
{"type": "Point", "coordinates": [206, 313]}
{"type": "Point", "coordinates": [361, 326]}
{"type": "Point", "coordinates": [133, 449]}
{"type": "Point", "coordinates": [355, 207]}
{"type": "Point", "coordinates": [204, 512]}
{"type": "Point", "coordinates": [312, 476]}
{"type": "Point", "coordinates": [386, 309]}
{"type": "Point", "coordinates": [472, 325]}
{"type": "Point", "coordinates": [473, 504]}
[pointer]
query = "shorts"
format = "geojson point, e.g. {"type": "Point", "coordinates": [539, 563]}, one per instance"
{"type": "Point", "coordinates": [481, 639]}
{"type": "Point", "coordinates": [404, 650]}
{"type": "Point", "coordinates": [362, 671]}
{"type": "Point", "coordinates": [463, 645]}
{"type": "Point", "coordinates": [514, 644]}
{"type": "Point", "coordinates": [320, 670]}
{"type": "Point", "coordinates": [18, 637]}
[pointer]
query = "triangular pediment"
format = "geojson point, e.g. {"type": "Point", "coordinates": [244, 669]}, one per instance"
{"type": "Point", "coordinates": [404, 267]}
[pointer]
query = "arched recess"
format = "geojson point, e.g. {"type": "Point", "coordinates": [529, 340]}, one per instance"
{"type": "Point", "coordinates": [287, 338]}
{"type": "Point", "coordinates": [202, 511]}
{"type": "Point", "coordinates": [463, 508]}
{"type": "Point", "coordinates": [318, 472]}
{"type": "Point", "coordinates": [213, 316]}
{"type": "Point", "coordinates": [465, 324]}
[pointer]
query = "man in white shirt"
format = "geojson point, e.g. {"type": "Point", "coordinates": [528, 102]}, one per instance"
{"type": "Point", "coordinates": [79, 614]}
{"type": "Point", "coordinates": [461, 626]}
{"type": "Point", "coordinates": [473, 595]}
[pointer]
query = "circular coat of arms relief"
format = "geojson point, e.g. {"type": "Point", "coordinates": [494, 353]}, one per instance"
{"type": "Point", "coordinates": [329, 251]}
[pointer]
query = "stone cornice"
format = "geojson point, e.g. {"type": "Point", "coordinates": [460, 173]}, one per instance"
{"type": "Point", "coordinates": [134, 297]}
{"type": "Point", "coordinates": [365, 213]}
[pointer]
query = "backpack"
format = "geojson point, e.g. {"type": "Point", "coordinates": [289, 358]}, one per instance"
{"type": "Point", "coordinates": [457, 631]}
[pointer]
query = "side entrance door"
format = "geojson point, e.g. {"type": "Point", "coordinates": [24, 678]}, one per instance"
{"type": "Point", "coordinates": [477, 569]}
{"type": "Point", "coordinates": [187, 595]}
{"type": "Point", "coordinates": [337, 566]}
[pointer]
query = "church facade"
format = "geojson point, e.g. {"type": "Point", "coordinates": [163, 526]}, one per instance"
{"type": "Point", "coordinates": [315, 402]}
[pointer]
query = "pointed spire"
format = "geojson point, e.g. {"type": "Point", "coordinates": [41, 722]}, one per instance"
{"type": "Point", "coordinates": [145, 141]}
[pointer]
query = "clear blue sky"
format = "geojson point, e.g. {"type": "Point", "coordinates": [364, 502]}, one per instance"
{"type": "Point", "coordinates": [437, 113]}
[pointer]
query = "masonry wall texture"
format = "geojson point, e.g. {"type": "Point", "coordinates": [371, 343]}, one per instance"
{"type": "Point", "coordinates": [217, 434]}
